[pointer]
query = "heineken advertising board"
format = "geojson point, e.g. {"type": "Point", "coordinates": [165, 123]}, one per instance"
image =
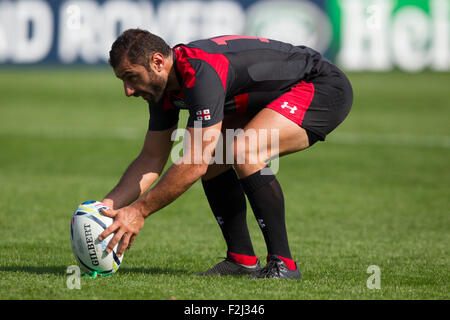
{"type": "Point", "coordinates": [410, 35]}
{"type": "Point", "coordinates": [356, 34]}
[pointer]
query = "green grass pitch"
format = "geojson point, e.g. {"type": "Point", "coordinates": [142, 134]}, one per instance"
{"type": "Point", "coordinates": [375, 193]}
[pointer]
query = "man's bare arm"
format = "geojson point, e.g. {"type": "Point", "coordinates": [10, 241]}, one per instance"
{"type": "Point", "coordinates": [185, 172]}
{"type": "Point", "coordinates": [143, 171]}
{"type": "Point", "coordinates": [129, 220]}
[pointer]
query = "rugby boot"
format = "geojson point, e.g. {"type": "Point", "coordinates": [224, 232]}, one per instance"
{"type": "Point", "coordinates": [276, 268]}
{"type": "Point", "coordinates": [231, 267]}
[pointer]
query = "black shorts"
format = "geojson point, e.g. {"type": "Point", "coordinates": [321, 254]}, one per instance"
{"type": "Point", "coordinates": [318, 105]}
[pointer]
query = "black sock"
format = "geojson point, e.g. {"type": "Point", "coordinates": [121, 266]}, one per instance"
{"type": "Point", "coordinates": [266, 199]}
{"type": "Point", "coordinates": [228, 204]}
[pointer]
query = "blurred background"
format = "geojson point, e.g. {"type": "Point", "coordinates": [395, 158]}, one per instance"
{"type": "Point", "coordinates": [378, 35]}
{"type": "Point", "coordinates": [375, 193]}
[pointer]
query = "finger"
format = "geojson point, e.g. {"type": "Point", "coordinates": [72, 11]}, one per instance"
{"type": "Point", "coordinates": [105, 234]}
{"type": "Point", "coordinates": [109, 213]}
{"type": "Point", "coordinates": [131, 241]}
{"type": "Point", "coordinates": [115, 240]}
{"type": "Point", "coordinates": [123, 244]}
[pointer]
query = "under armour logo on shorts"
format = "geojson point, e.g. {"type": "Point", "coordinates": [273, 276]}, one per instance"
{"type": "Point", "coordinates": [286, 105]}
{"type": "Point", "coordinates": [203, 115]}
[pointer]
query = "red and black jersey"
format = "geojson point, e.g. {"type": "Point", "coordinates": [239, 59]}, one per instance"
{"type": "Point", "coordinates": [232, 74]}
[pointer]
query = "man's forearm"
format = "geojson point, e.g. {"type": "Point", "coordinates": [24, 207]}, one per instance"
{"type": "Point", "coordinates": [138, 177]}
{"type": "Point", "coordinates": [182, 174]}
{"type": "Point", "coordinates": [177, 179]}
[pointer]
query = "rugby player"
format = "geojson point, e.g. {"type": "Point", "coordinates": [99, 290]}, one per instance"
{"type": "Point", "coordinates": [226, 82]}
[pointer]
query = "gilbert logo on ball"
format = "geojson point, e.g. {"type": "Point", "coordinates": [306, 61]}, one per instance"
{"type": "Point", "coordinates": [87, 224]}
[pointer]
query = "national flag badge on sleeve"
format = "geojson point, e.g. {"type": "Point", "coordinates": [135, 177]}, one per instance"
{"type": "Point", "coordinates": [203, 115]}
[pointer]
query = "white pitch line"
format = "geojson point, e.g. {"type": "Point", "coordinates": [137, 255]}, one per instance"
{"type": "Point", "coordinates": [126, 133]}
{"type": "Point", "coordinates": [131, 133]}
{"type": "Point", "coordinates": [352, 138]}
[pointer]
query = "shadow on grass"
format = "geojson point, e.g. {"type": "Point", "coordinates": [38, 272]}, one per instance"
{"type": "Point", "coordinates": [57, 270]}
{"type": "Point", "coordinates": [154, 270]}
{"type": "Point", "coordinates": [62, 270]}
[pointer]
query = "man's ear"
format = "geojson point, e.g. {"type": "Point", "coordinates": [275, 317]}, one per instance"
{"type": "Point", "coordinates": [157, 61]}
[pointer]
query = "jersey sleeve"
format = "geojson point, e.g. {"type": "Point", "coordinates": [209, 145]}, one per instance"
{"type": "Point", "coordinates": [205, 97]}
{"type": "Point", "coordinates": [162, 115]}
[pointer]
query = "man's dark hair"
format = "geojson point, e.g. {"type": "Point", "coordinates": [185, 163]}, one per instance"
{"type": "Point", "coordinates": [137, 45]}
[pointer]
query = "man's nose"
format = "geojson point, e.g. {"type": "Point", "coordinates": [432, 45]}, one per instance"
{"type": "Point", "coordinates": [129, 91]}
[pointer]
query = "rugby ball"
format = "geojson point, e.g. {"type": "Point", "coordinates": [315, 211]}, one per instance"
{"type": "Point", "coordinates": [87, 224]}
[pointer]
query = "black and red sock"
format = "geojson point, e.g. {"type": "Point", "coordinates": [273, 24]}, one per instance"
{"type": "Point", "coordinates": [228, 204]}
{"type": "Point", "coordinates": [267, 201]}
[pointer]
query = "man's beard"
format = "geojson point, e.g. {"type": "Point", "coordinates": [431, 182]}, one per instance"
{"type": "Point", "coordinates": [157, 88]}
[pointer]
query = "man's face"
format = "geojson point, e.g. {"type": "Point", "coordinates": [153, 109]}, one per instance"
{"type": "Point", "coordinates": [140, 82]}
